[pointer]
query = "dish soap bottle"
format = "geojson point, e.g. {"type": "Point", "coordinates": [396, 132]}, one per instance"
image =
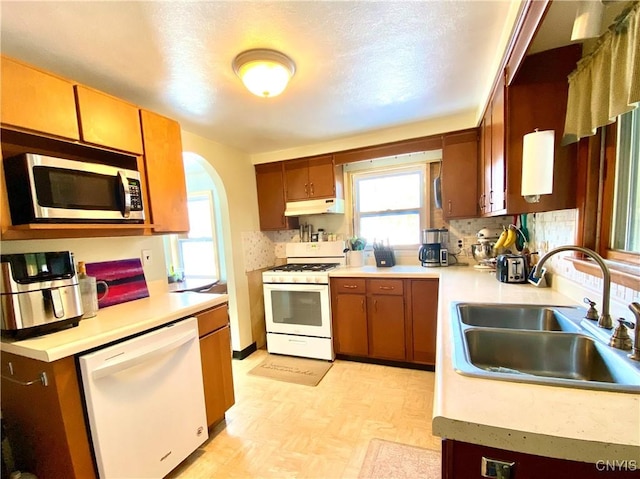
{"type": "Point", "coordinates": [88, 292]}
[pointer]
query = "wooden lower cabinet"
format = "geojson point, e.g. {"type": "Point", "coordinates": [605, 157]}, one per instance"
{"type": "Point", "coordinates": [46, 424]}
{"type": "Point", "coordinates": [388, 319]}
{"type": "Point", "coordinates": [350, 333]}
{"type": "Point", "coordinates": [215, 355]}
{"type": "Point", "coordinates": [423, 310]}
{"type": "Point", "coordinates": [462, 460]}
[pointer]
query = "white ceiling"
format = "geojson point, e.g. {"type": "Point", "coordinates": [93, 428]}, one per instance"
{"type": "Point", "coordinates": [362, 66]}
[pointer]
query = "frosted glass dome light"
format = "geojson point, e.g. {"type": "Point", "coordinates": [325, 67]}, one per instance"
{"type": "Point", "coordinates": [264, 72]}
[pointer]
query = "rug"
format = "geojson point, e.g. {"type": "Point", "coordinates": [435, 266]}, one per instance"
{"type": "Point", "coordinates": [308, 372]}
{"type": "Point", "coordinates": [392, 460]}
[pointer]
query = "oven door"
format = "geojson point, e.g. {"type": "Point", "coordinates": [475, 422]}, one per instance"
{"type": "Point", "coordinates": [302, 309]}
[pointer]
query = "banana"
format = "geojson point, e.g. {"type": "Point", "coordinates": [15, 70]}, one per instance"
{"type": "Point", "coordinates": [511, 237]}
{"type": "Point", "coordinates": [500, 243]}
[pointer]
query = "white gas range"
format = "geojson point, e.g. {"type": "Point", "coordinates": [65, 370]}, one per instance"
{"type": "Point", "coordinates": [297, 301]}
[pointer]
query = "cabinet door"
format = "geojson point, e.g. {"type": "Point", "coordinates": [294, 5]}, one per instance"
{"type": "Point", "coordinates": [386, 327]}
{"type": "Point", "coordinates": [462, 460]}
{"type": "Point", "coordinates": [45, 424]}
{"type": "Point", "coordinates": [350, 324]}
{"type": "Point", "coordinates": [37, 101]}
{"type": "Point", "coordinates": [497, 195]}
{"type": "Point", "coordinates": [165, 173]}
{"type": "Point", "coordinates": [296, 180]}
{"type": "Point", "coordinates": [322, 183]}
{"type": "Point", "coordinates": [217, 376]}
{"type": "Point", "coordinates": [460, 175]}
{"type": "Point", "coordinates": [271, 204]}
{"type": "Point", "coordinates": [424, 319]}
{"type": "Point", "coordinates": [108, 121]}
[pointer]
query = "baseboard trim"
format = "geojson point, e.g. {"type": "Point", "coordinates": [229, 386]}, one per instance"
{"type": "Point", "coordinates": [387, 362]}
{"type": "Point", "coordinates": [245, 352]}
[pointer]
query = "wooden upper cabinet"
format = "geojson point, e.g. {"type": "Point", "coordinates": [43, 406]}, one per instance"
{"type": "Point", "coordinates": [537, 98]}
{"type": "Point", "coordinates": [271, 204]}
{"type": "Point", "coordinates": [108, 121]}
{"type": "Point", "coordinates": [165, 175]}
{"type": "Point", "coordinates": [37, 101]}
{"type": "Point", "coordinates": [310, 178]}
{"type": "Point", "coordinates": [497, 193]}
{"type": "Point", "coordinates": [460, 175]}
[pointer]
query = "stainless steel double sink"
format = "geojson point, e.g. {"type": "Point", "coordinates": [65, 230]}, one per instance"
{"type": "Point", "coordinates": [551, 345]}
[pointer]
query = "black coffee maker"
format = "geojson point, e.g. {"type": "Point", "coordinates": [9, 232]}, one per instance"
{"type": "Point", "coordinates": [433, 251]}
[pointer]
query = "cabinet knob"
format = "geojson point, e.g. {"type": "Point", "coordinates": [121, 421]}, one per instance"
{"type": "Point", "coordinates": [311, 189]}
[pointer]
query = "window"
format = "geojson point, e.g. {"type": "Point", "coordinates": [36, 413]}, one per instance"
{"type": "Point", "coordinates": [625, 215]}
{"type": "Point", "coordinates": [196, 253]}
{"type": "Point", "coordinates": [389, 204]}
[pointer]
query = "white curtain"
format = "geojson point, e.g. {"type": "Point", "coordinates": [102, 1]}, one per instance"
{"type": "Point", "coordinates": [606, 83]}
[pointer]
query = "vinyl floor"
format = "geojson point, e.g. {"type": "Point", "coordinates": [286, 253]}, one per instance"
{"type": "Point", "coordinates": [283, 430]}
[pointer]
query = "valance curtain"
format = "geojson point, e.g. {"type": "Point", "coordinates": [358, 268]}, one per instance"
{"type": "Point", "coordinates": [606, 83]}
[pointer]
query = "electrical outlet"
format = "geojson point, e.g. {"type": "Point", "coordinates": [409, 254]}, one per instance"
{"type": "Point", "coordinates": [147, 257]}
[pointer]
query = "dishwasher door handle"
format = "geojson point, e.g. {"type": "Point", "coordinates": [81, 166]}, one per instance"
{"type": "Point", "coordinates": [145, 354]}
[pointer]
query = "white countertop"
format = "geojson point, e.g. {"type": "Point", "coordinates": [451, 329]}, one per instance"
{"type": "Point", "coordinates": [575, 424]}
{"type": "Point", "coordinates": [112, 324]}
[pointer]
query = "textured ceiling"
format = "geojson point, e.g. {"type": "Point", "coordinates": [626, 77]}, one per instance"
{"type": "Point", "coordinates": [361, 66]}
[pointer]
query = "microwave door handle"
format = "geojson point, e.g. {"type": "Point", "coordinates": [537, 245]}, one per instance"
{"type": "Point", "coordinates": [125, 195]}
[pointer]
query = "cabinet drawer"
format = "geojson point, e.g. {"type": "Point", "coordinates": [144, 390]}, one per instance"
{"type": "Point", "coordinates": [348, 285]}
{"type": "Point", "coordinates": [385, 286]}
{"type": "Point", "coordinates": [212, 319]}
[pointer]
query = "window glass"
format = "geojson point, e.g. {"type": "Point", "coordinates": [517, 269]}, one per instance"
{"type": "Point", "coordinates": [625, 225]}
{"type": "Point", "coordinates": [388, 204]}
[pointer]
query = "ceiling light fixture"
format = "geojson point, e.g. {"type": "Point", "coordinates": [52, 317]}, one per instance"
{"type": "Point", "coordinates": [264, 72]}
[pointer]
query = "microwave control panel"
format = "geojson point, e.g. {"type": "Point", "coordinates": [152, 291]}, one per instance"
{"type": "Point", "coordinates": [136, 195]}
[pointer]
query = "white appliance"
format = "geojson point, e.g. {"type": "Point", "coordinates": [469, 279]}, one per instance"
{"type": "Point", "coordinates": [145, 402]}
{"type": "Point", "coordinates": [297, 302]}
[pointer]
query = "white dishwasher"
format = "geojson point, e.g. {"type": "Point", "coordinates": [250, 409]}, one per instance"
{"type": "Point", "coordinates": [145, 402]}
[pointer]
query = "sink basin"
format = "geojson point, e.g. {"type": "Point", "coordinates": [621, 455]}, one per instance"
{"type": "Point", "coordinates": [515, 316]}
{"type": "Point", "coordinates": [537, 344]}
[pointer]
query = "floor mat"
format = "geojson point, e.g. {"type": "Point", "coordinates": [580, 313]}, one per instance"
{"type": "Point", "coordinates": [308, 372]}
{"type": "Point", "coordinates": [386, 460]}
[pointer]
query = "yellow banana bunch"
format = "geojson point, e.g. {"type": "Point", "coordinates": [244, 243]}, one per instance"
{"type": "Point", "coordinates": [503, 237]}
{"type": "Point", "coordinates": [511, 237]}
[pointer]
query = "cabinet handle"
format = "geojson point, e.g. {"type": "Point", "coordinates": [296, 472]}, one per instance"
{"type": "Point", "coordinates": [306, 189]}
{"type": "Point", "coordinates": [311, 189]}
{"type": "Point", "coordinates": [42, 379]}
{"type": "Point", "coordinates": [349, 286]}
{"type": "Point", "coordinates": [387, 288]}
{"type": "Point", "coordinates": [449, 206]}
{"type": "Point", "coordinates": [491, 197]}
{"type": "Point", "coordinates": [481, 202]}
{"type": "Point", "coordinates": [362, 305]}
{"type": "Point", "coordinates": [375, 305]}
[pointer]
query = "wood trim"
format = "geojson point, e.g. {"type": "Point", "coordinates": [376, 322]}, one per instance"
{"type": "Point", "coordinates": [527, 25]}
{"type": "Point", "coordinates": [587, 190]}
{"type": "Point", "coordinates": [628, 276]}
{"type": "Point", "coordinates": [609, 170]}
{"type": "Point", "coordinates": [426, 143]}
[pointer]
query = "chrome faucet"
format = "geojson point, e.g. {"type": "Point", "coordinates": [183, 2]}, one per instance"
{"type": "Point", "coordinates": [605, 318]}
{"type": "Point", "coordinates": [635, 354]}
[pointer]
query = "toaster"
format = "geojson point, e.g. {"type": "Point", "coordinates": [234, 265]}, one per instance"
{"type": "Point", "coordinates": [511, 268]}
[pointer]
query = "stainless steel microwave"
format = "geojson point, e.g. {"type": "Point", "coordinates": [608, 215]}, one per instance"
{"type": "Point", "coordinates": [44, 189]}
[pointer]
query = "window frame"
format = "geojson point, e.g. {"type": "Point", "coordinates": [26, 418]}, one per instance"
{"type": "Point", "coordinates": [381, 170]}
{"type": "Point", "coordinates": [597, 165]}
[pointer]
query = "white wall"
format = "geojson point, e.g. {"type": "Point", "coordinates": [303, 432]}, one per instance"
{"type": "Point", "coordinates": [234, 176]}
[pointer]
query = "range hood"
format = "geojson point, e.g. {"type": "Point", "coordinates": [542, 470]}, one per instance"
{"type": "Point", "coordinates": [314, 207]}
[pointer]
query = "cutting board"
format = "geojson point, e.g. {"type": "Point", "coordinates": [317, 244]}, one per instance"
{"type": "Point", "coordinates": [124, 278]}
